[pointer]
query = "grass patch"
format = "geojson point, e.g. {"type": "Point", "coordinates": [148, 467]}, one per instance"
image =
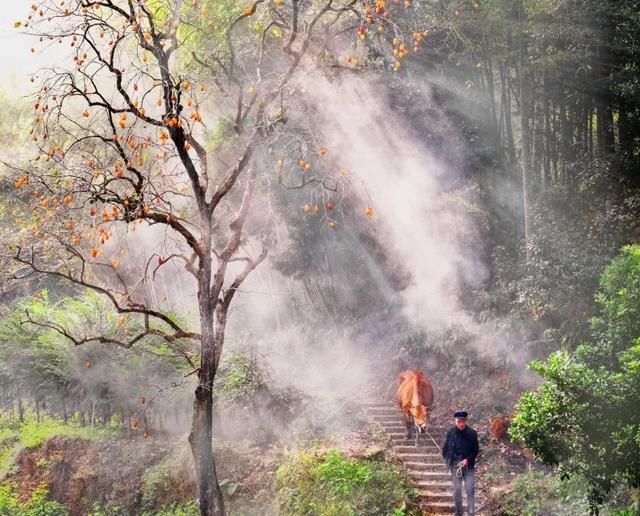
{"type": "Point", "coordinates": [329, 484]}
{"type": "Point", "coordinates": [33, 434]}
{"type": "Point", "coordinates": [16, 436]}
{"type": "Point", "coordinates": [176, 509]}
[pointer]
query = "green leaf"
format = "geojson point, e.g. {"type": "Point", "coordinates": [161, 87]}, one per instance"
{"type": "Point", "coordinates": [229, 487]}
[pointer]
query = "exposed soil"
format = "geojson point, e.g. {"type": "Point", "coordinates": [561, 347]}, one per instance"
{"type": "Point", "coordinates": [78, 473]}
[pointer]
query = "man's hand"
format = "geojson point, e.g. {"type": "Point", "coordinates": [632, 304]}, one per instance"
{"type": "Point", "coordinates": [464, 463]}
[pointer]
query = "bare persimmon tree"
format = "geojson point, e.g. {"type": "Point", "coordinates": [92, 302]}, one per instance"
{"type": "Point", "coordinates": [122, 135]}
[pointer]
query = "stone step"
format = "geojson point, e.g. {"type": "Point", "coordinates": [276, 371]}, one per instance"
{"type": "Point", "coordinates": [410, 448]}
{"type": "Point", "coordinates": [391, 409]}
{"type": "Point", "coordinates": [429, 507]}
{"type": "Point", "coordinates": [433, 485]}
{"type": "Point", "coordinates": [441, 482]}
{"type": "Point", "coordinates": [430, 454]}
{"type": "Point", "coordinates": [392, 429]}
{"type": "Point", "coordinates": [435, 467]}
{"type": "Point", "coordinates": [387, 418]}
{"type": "Point", "coordinates": [392, 419]}
{"type": "Point", "coordinates": [432, 495]}
{"type": "Point", "coordinates": [395, 416]}
{"type": "Point", "coordinates": [431, 476]}
{"type": "Point", "coordinates": [411, 442]}
{"type": "Point", "coordinates": [389, 403]}
{"type": "Point", "coordinates": [390, 423]}
{"type": "Point", "coordinates": [421, 457]}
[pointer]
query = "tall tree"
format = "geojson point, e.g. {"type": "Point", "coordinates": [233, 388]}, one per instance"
{"type": "Point", "coordinates": [123, 141]}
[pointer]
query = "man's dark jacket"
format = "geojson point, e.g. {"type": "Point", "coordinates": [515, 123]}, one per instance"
{"type": "Point", "coordinates": [459, 445]}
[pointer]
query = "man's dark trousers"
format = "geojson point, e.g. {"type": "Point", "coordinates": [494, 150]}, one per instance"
{"type": "Point", "coordinates": [468, 476]}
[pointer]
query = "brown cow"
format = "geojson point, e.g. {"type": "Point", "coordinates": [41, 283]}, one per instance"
{"type": "Point", "coordinates": [499, 427]}
{"type": "Point", "coordinates": [415, 397]}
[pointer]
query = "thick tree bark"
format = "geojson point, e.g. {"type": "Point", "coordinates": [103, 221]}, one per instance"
{"type": "Point", "coordinates": [201, 442]}
{"type": "Point", "coordinates": [201, 436]}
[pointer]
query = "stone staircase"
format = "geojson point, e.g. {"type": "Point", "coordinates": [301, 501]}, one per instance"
{"type": "Point", "coordinates": [423, 464]}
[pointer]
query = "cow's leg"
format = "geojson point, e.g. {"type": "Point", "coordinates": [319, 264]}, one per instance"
{"type": "Point", "coordinates": [407, 426]}
{"type": "Point", "coordinates": [417, 436]}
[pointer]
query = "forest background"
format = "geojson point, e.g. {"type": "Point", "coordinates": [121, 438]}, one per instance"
{"type": "Point", "coordinates": [469, 205]}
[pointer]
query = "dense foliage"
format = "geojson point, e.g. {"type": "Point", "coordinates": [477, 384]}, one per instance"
{"type": "Point", "coordinates": [536, 103]}
{"type": "Point", "coordinates": [328, 483]}
{"type": "Point", "coordinates": [42, 370]}
{"type": "Point", "coordinates": [585, 417]}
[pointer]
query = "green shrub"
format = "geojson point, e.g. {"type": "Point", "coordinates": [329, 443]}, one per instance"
{"type": "Point", "coordinates": [329, 484]}
{"type": "Point", "coordinates": [585, 417]}
{"type": "Point", "coordinates": [177, 509]}
{"type": "Point", "coordinates": [242, 376]}
{"type": "Point", "coordinates": [38, 504]}
{"type": "Point", "coordinates": [629, 511]}
{"type": "Point", "coordinates": [8, 500]}
{"type": "Point", "coordinates": [155, 483]}
{"type": "Point", "coordinates": [532, 494]}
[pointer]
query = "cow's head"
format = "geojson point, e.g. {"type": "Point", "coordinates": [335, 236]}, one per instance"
{"type": "Point", "coordinates": [499, 427]}
{"type": "Point", "coordinates": [420, 417]}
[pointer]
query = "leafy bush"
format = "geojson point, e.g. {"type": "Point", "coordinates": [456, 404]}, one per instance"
{"type": "Point", "coordinates": [536, 494]}
{"type": "Point", "coordinates": [585, 417]}
{"type": "Point", "coordinates": [177, 509]}
{"type": "Point", "coordinates": [243, 376]}
{"type": "Point", "coordinates": [38, 504]}
{"type": "Point", "coordinates": [532, 494]}
{"type": "Point", "coordinates": [328, 483]}
{"type": "Point", "coordinates": [8, 500]}
{"type": "Point", "coordinates": [155, 482]}
{"type": "Point", "coordinates": [246, 380]}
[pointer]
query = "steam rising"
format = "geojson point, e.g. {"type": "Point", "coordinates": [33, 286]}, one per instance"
{"type": "Point", "coordinates": [403, 178]}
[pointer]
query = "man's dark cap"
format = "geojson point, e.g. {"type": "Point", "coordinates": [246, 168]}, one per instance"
{"type": "Point", "coordinates": [460, 414]}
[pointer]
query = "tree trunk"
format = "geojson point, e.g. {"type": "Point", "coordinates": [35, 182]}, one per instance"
{"type": "Point", "coordinates": [524, 128]}
{"type": "Point", "coordinates": [604, 99]}
{"type": "Point", "coordinates": [201, 435]}
{"type": "Point", "coordinates": [65, 415]}
{"type": "Point", "coordinates": [20, 409]}
{"type": "Point", "coordinates": [546, 139]}
{"type": "Point", "coordinates": [511, 149]}
{"type": "Point", "coordinates": [93, 413]}
{"type": "Point", "coordinates": [488, 69]}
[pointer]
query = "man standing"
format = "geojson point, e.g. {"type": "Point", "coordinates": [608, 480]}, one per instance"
{"type": "Point", "coordinates": [459, 451]}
